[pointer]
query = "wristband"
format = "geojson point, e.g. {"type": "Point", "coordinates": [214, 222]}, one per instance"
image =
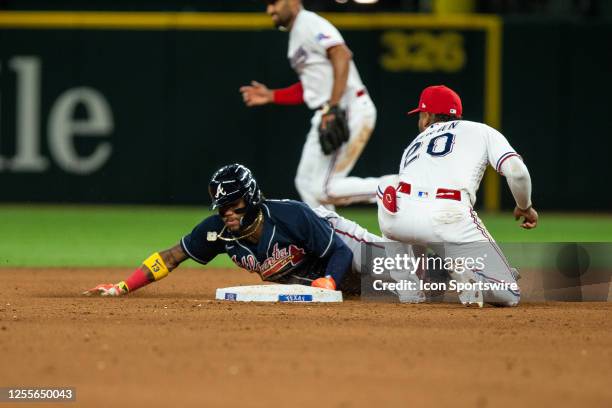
{"type": "Point", "coordinates": [137, 280]}
{"type": "Point", "coordinates": [156, 265]}
{"type": "Point", "coordinates": [123, 286]}
{"type": "Point", "coordinates": [329, 109]}
{"type": "Point", "coordinates": [325, 109]}
{"type": "Point", "coordinates": [292, 95]}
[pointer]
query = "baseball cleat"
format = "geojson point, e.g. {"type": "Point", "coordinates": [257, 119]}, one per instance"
{"type": "Point", "coordinates": [471, 297]}
{"type": "Point", "coordinates": [411, 296]}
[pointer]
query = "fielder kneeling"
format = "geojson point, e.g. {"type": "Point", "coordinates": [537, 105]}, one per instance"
{"type": "Point", "coordinates": [283, 241]}
{"type": "Point", "coordinates": [432, 202]}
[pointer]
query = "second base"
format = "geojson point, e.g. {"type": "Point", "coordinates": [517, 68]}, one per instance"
{"type": "Point", "coordinates": [278, 293]}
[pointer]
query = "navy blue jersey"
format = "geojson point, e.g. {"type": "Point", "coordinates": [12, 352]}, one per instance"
{"type": "Point", "coordinates": [296, 245]}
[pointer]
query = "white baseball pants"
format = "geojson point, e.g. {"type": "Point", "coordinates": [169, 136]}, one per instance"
{"type": "Point", "coordinates": [453, 230]}
{"type": "Point", "coordinates": [355, 237]}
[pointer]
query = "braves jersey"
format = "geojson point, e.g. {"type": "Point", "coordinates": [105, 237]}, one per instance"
{"type": "Point", "coordinates": [309, 39]}
{"type": "Point", "coordinates": [454, 155]}
{"type": "Point", "coordinates": [296, 245]}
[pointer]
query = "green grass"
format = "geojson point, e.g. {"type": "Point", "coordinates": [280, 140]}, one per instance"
{"type": "Point", "coordinates": [90, 235]}
{"type": "Point", "coordinates": [125, 235]}
{"type": "Point", "coordinates": [552, 227]}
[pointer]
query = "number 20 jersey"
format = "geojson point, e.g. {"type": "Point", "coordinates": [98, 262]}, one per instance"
{"type": "Point", "coordinates": [454, 155]}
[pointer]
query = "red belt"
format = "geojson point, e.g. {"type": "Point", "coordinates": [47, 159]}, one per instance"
{"type": "Point", "coordinates": [441, 193]}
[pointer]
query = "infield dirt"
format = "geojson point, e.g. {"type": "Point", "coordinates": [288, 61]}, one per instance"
{"type": "Point", "coordinates": [172, 344]}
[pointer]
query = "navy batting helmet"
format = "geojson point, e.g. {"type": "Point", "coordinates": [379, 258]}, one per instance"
{"type": "Point", "coordinates": [233, 182]}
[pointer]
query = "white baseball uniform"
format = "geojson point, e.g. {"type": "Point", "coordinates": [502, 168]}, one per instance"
{"type": "Point", "coordinates": [321, 178]}
{"type": "Point", "coordinates": [356, 237]}
{"type": "Point", "coordinates": [440, 173]}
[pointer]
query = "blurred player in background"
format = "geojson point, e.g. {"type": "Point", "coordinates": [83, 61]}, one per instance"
{"type": "Point", "coordinates": [439, 175]}
{"type": "Point", "coordinates": [330, 85]}
{"type": "Point", "coordinates": [283, 241]}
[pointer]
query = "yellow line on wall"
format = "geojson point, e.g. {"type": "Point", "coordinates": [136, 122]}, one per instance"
{"type": "Point", "coordinates": [492, 108]}
{"type": "Point", "coordinates": [227, 21]}
{"type": "Point", "coordinates": [133, 21]}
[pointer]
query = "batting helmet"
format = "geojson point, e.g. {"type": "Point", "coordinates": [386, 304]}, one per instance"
{"type": "Point", "coordinates": [231, 183]}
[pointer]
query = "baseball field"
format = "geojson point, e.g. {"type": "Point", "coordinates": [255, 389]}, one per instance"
{"type": "Point", "coordinates": [172, 344]}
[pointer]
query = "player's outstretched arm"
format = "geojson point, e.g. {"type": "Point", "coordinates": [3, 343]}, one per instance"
{"type": "Point", "coordinates": [256, 94]}
{"type": "Point", "coordinates": [519, 181]}
{"type": "Point", "coordinates": [155, 267]}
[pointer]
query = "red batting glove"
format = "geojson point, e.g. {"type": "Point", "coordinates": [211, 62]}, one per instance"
{"type": "Point", "coordinates": [325, 283]}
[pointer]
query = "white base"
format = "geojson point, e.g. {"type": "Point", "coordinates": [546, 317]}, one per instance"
{"type": "Point", "coordinates": [278, 293]}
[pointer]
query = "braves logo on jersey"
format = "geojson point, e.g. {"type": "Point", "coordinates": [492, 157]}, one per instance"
{"type": "Point", "coordinates": [281, 260]}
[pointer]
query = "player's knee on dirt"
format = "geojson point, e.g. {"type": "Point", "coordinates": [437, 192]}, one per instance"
{"type": "Point", "coordinates": [502, 298]}
{"type": "Point", "coordinates": [511, 303]}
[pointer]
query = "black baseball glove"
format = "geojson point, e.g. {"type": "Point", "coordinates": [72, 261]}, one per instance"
{"type": "Point", "coordinates": [333, 130]}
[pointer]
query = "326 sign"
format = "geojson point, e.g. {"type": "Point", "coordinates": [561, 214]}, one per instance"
{"type": "Point", "coordinates": [62, 126]}
{"type": "Point", "coordinates": [423, 51]}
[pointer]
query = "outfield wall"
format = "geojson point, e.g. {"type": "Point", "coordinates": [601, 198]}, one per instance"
{"type": "Point", "coordinates": [131, 109]}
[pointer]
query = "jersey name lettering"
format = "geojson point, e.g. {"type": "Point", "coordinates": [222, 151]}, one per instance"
{"type": "Point", "coordinates": [280, 258]}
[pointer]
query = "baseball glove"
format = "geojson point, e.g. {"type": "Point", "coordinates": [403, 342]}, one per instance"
{"type": "Point", "coordinates": [333, 130]}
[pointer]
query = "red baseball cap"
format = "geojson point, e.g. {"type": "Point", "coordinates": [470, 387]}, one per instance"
{"type": "Point", "coordinates": [439, 99]}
